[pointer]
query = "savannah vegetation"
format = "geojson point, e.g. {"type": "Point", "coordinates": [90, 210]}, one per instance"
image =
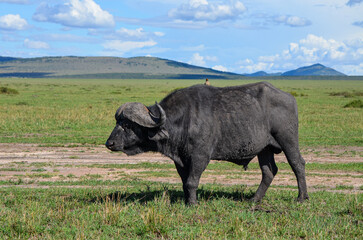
{"type": "Point", "coordinates": [66, 111]}
{"type": "Point", "coordinates": [70, 113]}
{"type": "Point", "coordinates": [146, 210]}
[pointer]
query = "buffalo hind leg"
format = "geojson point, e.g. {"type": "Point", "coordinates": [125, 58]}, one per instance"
{"type": "Point", "coordinates": [269, 170]}
{"type": "Point", "coordinates": [190, 175]}
{"type": "Point", "coordinates": [290, 146]}
{"type": "Point", "coordinates": [297, 164]}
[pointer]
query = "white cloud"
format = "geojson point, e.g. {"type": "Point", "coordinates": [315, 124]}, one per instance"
{"type": "Point", "coordinates": [314, 48]}
{"type": "Point", "coordinates": [35, 44]}
{"type": "Point", "coordinates": [292, 21]}
{"type": "Point", "coordinates": [270, 58]}
{"type": "Point", "coordinates": [138, 33]}
{"type": "Point", "coordinates": [197, 3]}
{"type": "Point", "coordinates": [198, 60]}
{"type": "Point", "coordinates": [220, 68]}
{"type": "Point", "coordinates": [123, 47]}
{"type": "Point", "coordinates": [75, 13]}
{"type": "Point", "coordinates": [201, 10]}
{"type": "Point", "coordinates": [310, 50]}
{"type": "Point", "coordinates": [352, 69]}
{"type": "Point", "coordinates": [164, 1]}
{"type": "Point", "coordinates": [13, 22]}
{"type": "Point", "coordinates": [256, 67]}
{"type": "Point", "coordinates": [211, 58]}
{"type": "Point", "coordinates": [159, 34]}
{"type": "Point", "coordinates": [125, 34]}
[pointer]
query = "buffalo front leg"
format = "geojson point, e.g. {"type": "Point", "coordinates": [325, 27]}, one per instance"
{"type": "Point", "coordinates": [269, 170]}
{"type": "Point", "coordinates": [190, 175]}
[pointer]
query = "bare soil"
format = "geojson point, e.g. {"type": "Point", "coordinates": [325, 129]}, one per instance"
{"type": "Point", "coordinates": [29, 164]}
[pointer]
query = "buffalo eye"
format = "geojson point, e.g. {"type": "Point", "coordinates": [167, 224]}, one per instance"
{"type": "Point", "coordinates": [126, 125]}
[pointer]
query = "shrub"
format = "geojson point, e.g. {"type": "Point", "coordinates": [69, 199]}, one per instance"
{"type": "Point", "coordinates": [21, 104]}
{"type": "Point", "coordinates": [295, 94]}
{"type": "Point", "coordinates": [354, 104]}
{"type": "Point", "coordinates": [10, 91]}
{"type": "Point", "coordinates": [347, 94]}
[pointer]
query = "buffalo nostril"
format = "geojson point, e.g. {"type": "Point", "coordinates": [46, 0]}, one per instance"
{"type": "Point", "coordinates": [109, 144]}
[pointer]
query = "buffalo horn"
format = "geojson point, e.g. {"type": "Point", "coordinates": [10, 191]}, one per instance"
{"type": "Point", "coordinates": [138, 113]}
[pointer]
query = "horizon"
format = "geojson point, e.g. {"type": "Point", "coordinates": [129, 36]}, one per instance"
{"type": "Point", "coordinates": [243, 74]}
{"type": "Point", "coordinates": [238, 36]}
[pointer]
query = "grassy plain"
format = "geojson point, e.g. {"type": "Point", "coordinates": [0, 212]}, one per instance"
{"type": "Point", "coordinates": [65, 111]}
{"type": "Point", "coordinates": [146, 210]}
{"type": "Point", "coordinates": [42, 203]}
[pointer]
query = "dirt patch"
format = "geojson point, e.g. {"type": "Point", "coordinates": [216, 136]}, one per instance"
{"type": "Point", "coordinates": [29, 164]}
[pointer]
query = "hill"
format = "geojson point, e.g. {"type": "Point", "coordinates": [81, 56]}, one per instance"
{"type": "Point", "coordinates": [135, 67]}
{"type": "Point", "coordinates": [262, 74]}
{"type": "Point", "coordinates": [313, 70]}
{"type": "Point", "coordinates": [105, 67]}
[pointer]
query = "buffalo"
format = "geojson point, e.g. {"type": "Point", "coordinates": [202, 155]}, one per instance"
{"type": "Point", "coordinates": [199, 123]}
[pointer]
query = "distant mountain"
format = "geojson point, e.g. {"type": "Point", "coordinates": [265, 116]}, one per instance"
{"type": "Point", "coordinates": [313, 70]}
{"type": "Point", "coordinates": [133, 68]}
{"type": "Point", "coordinates": [106, 67]}
{"type": "Point", "coordinates": [5, 59]}
{"type": "Point", "coordinates": [262, 74]}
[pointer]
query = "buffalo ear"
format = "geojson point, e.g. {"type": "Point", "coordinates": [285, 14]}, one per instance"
{"type": "Point", "coordinates": [158, 134]}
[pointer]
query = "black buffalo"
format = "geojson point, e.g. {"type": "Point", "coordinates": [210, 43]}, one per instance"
{"type": "Point", "coordinates": [199, 123]}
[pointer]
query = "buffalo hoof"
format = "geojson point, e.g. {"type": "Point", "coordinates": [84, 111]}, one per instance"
{"type": "Point", "coordinates": [256, 199]}
{"type": "Point", "coordinates": [302, 198]}
{"type": "Point", "coordinates": [191, 203]}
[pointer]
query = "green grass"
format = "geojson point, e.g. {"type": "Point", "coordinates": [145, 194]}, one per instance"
{"type": "Point", "coordinates": [145, 210]}
{"type": "Point", "coordinates": [62, 112]}
{"type": "Point", "coordinates": [39, 170]}
{"type": "Point", "coordinates": [226, 166]}
{"type": "Point", "coordinates": [344, 187]}
{"type": "Point", "coordinates": [13, 169]}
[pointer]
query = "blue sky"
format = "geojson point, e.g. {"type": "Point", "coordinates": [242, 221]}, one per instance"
{"type": "Point", "coordinates": [241, 36]}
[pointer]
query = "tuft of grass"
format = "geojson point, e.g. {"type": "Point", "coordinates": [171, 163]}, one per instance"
{"type": "Point", "coordinates": [9, 91]}
{"type": "Point", "coordinates": [344, 187]}
{"type": "Point", "coordinates": [17, 181]}
{"type": "Point", "coordinates": [354, 104]}
{"type": "Point", "coordinates": [40, 175]}
{"type": "Point", "coordinates": [12, 169]}
{"type": "Point", "coordinates": [93, 176]}
{"type": "Point", "coordinates": [347, 94]}
{"type": "Point", "coordinates": [295, 94]}
{"type": "Point", "coordinates": [41, 164]}
{"type": "Point", "coordinates": [39, 170]}
{"type": "Point", "coordinates": [22, 103]}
